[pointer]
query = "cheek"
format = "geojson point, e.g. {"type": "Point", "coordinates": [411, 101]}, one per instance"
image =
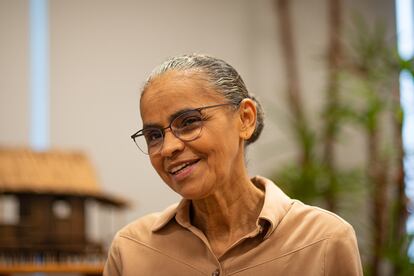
{"type": "Point", "coordinates": [157, 165]}
{"type": "Point", "coordinates": [224, 150]}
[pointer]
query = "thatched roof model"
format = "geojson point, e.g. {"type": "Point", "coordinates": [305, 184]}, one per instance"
{"type": "Point", "coordinates": [50, 172]}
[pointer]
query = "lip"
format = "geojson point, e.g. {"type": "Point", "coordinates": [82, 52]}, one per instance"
{"type": "Point", "coordinates": [178, 163]}
{"type": "Point", "coordinates": [185, 172]}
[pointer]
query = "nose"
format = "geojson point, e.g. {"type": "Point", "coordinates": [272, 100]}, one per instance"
{"type": "Point", "coordinates": [171, 144]}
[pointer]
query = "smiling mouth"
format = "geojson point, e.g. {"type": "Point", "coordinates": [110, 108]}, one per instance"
{"type": "Point", "coordinates": [176, 170]}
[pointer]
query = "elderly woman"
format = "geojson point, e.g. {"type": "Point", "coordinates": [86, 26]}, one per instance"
{"type": "Point", "coordinates": [198, 118]}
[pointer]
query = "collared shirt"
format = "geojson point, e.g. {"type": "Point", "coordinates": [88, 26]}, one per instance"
{"type": "Point", "coordinates": [290, 238]}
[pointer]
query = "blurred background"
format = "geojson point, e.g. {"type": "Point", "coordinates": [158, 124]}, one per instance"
{"type": "Point", "coordinates": [334, 77]}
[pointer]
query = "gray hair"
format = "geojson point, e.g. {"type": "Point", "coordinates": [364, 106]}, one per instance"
{"type": "Point", "coordinates": [223, 77]}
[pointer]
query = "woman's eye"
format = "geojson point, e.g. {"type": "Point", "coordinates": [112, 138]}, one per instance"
{"type": "Point", "coordinates": [190, 121]}
{"type": "Point", "coordinates": [152, 136]}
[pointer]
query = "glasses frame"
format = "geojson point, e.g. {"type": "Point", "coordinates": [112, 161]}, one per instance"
{"type": "Point", "coordinates": [139, 133]}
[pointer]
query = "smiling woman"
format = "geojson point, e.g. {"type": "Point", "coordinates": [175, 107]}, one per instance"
{"type": "Point", "coordinates": [198, 118]}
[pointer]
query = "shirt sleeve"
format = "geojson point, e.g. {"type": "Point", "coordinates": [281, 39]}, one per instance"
{"type": "Point", "coordinates": [342, 255]}
{"type": "Point", "coordinates": [113, 263]}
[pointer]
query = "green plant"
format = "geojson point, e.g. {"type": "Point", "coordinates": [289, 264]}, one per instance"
{"type": "Point", "coordinates": [363, 94]}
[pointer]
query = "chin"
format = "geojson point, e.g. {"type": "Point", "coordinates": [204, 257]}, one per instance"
{"type": "Point", "coordinates": [190, 193]}
{"type": "Point", "coordinates": [192, 197]}
{"type": "Point", "coordinates": [191, 189]}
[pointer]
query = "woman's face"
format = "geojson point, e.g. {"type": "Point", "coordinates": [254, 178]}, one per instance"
{"type": "Point", "coordinates": [194, 169]}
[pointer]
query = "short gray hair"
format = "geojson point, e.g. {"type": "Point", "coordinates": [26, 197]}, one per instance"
{"type": "Point", "coordinates": [223, 77]}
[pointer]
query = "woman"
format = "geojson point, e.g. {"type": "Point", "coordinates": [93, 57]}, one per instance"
{"type": "Point", "coordinates": [198, 118]}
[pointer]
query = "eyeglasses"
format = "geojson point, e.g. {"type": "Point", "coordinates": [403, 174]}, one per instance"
{"type": "Point", "coordinates": [186, 126]}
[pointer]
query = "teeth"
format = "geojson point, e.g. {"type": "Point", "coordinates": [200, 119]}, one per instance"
{"type": "Point", "coordinates": [179, 167]}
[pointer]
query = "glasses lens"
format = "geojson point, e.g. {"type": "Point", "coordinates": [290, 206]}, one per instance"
{"type": "Point", "coordinates": [149, 140]}
{"type": "Point", "coordinates": [188, 125]}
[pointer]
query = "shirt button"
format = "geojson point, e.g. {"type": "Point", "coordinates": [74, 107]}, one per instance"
{"type": "Point", "coordinates": [216, 272]}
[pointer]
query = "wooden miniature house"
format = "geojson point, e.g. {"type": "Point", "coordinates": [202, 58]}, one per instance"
{"type": "Point", "coordinates": [50, 189]}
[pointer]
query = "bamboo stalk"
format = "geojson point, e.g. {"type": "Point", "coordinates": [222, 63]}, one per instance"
{"type": "Point", "coordinates": [377, 172]}
{"type": "Point", "coordinates": [292, 75]}
{"type": "Point", "coordinates": [332, 97]}
{"type": "Point", "coordinates": [398, 178]}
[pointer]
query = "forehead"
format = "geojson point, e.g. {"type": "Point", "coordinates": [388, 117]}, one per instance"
{"type": "Point", "coordinates": [176, 90]}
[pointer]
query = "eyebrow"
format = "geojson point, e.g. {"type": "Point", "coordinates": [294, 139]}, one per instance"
{"type": "Point", "coordinates": [170, 118]}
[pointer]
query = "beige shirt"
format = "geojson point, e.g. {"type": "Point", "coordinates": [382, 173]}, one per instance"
{"type": "Point", "coordinates": [291, 238]}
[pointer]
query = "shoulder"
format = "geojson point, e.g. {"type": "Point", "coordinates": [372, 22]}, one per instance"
{"type": "Point", "coordinates": [135, 239]}
{"type": "Point", "coordinates": [328, 223]}
{"type": "Point", "coordinates": [339, 247]}
{"type": "Point", "coordinates": [317, 215]}
{"type": "Point", "coordinates": [314, 232]}
{"type": "Point", "coordinates": [141, 229]}
{"type": "Point", "coordinates": [305, 224]}
{"type": "Point", "coordinates": [296, 221]}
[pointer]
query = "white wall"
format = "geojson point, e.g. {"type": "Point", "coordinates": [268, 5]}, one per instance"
{"type": "Point", "coordinates": [14, 72]}
{"type": "Point", "coordinates": [102, 50]}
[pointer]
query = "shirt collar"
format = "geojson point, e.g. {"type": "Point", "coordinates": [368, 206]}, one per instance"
{"type": "Point", "coordinates": [165, 217]}
{"type": "Point", "coordinates": [276, 203]}
{"type": "Point", "coordinates": [275, 206]}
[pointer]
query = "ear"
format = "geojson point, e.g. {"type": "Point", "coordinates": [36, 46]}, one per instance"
{"type": "Point", "coordinates": [248, 115]}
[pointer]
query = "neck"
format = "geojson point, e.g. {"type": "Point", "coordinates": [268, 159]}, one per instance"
{"type": "Point", "coordinates": [230, 212]}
